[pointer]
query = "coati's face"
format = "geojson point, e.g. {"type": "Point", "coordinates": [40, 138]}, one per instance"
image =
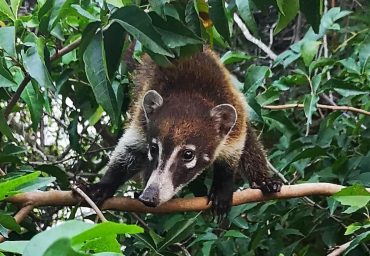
{"type": "Point", "coordinates": [181, 142]}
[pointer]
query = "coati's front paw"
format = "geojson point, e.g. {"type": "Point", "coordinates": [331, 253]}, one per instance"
{"type": "Point", "coordinates": [268, 185]}
{"type": "Point", "coordinates": [221, 203]}
{"type": "Point", "coordinates": [98, 192]}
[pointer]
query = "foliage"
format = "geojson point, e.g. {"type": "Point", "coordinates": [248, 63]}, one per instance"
{"type": "Point", "coordinates": [65, 87]}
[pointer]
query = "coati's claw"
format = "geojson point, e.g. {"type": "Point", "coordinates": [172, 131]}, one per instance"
{"type": "Point", "coordinates": [97, 192]}
{"type": "Point", "coordinates": [270, 185]}
{"type": "Point", "coordinates": [221, 205]}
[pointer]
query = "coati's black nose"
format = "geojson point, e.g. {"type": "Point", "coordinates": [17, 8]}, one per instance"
{"type": "Point", "coordinates": [149, 197]}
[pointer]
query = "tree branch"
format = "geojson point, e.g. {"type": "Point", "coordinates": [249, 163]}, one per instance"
{"type": "Point", "coordinates": [30, 200]}
{"type": "Point", "coordinates": [339, 249]}
{"type": "Point", "coordinates": [296, 105]}
{"type": "Point", "coordinates": [252, 39]}
{"type": "Point", "coordinates": [66, 198]}
{"type": "Point", "coordinates": [27, 77]}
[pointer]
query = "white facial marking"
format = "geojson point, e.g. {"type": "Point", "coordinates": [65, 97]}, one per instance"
{"type": "Point", "coordinates": [190, 146]}
{"type": "Point", "coordinates": [206, 157]}
{"type": "Point", "coordinates": [192, 163]}
{"type": "Point", "coordinates": [150, 157]}
{"type": "Point", "coordinates": [163, 177]}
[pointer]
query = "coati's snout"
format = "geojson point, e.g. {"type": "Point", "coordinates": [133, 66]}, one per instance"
{"type": "Point", "coordinates": [150, 196]}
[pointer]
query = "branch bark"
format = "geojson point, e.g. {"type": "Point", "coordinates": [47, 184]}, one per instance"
{"type": "Point", "coordinates": [66, 198]}
{"type": "Point", "coordinates": [296, 105]}
{"type": "Point", "coordinates": [340, 249]}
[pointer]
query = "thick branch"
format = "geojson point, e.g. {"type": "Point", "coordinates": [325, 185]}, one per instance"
{"type": "Point", "coordinates": [66, 198]}
{"type": "Point", "coordinates": [296, 105]}
{"type": "Point", "coordinates": [27, 78]}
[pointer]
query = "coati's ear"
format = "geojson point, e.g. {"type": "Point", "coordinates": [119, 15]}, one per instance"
{"type": "Point", "coordinates": [151, 101]}
{"type": "Point", "coordinates": [224, 117]}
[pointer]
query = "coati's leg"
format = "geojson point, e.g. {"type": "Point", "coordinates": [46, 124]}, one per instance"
{"type": "Point", "coordinates": [254, 165]}
{"type": "Point", "coordinates": [128, 158]}
{"type": "Point", "coordinates": [222, 189]}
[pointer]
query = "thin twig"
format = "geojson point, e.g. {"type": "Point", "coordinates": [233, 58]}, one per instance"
{"type": "Point", "coordinates": [276, 171]}
{"type": "Point", "coordinates": [297, 105]}
{"type": "Point", "coordinates": [16, 95]}
{"type": "Point", "coordinates": [252, 39]}
{"type": "Point", "coordinates": [90, 202]}
{"type": "Point", "coordinates": [140, 220]}
{"type": "Point", "coordinates": [20, 216]}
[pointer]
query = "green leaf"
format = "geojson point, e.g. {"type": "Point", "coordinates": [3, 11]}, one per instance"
{"type": "Point", "coordinates": [354, 196]}
{"type": "Point", "coordinates": [206, 248]}
{"type": "Point", "coordinates": [255, 77]}
{"type": "Point", "coordinates": [15, 7]}
{"type": "Point", "coordinates": [62, 247]}
{"type": "Point", "coordinates": [235, 234]}
{"type": "Point", "coordinates": [35, 66]}
{"type": "Point", "coordinates": [363, 237]}
{"type": "Point", "coordinates": [316, 81]}
{"type": "Point", "coordinates": [106, 228]}
{"type": "Point", "coordinates": [4, 127]}
{"type": "Point", "coordinates": [5, 9]}
{"type": "Point", "coordinates": [209, 236]}
{"type": "Point", "coordinates": [192, 19]}
{"type": "Point", "coordinates": [347, 90]}
{"type": "Point", "coordinates": [13, 246]}
{"type": "Point", "coordinates": [7, 40]}
{"type": "Point", "coordinates": [9, 222]}
{"type": "Point", "coordinates": [59, 10]}
{"type": "Point", "coordinates": [234, 57]}
{"type": "Point", "coordinates": [311, 152]}
{"type": "Point", "coordinates": [147, 241]}
{"type": "Point", "coordinates": [114, 38]}
{"type": "Point", "coordinates": [309, 50]}
{"type": "Point", "coordinates": [310, 102]}
{"type": "Point", "coordinates": [217, 13]}
{"type": "Point", "coordinates": [95, 67]}
{"type": "Point", "coordinates": [84, 13]}
{"type": "Point", "coordinates": [351, 66]}
{"type": "Point", "coordinates": [246, 12]}
{"type": "Point", "coordinates": [40, 243]}
{"type": "Point", "coordinates": [136, 22]}
{"type": "Point", "coordinates": [329, 18]}
{"type": "Point", "coordinates": [10, 187]}
{"type": "Point", "coordinates": [35, 102]}
{"type": "Point", "coordinates": [312, 10]}
{"type": "Point", "coordinates": [56, 172]}
{"type": "Point", "coordinates": [178, 232]}
{"type": "Point", "coordinates": [352, 228]}
{"type": "Point", "coordinates": [35, 184]}
{"type": "Point", "coordinates": [173, 32]}
{"type": "Point", "coordinates": [87, 35]}
{"type": "Point", "coordinates": [4, 71]}
{"type": "Point", "coordinates": [288, 11]}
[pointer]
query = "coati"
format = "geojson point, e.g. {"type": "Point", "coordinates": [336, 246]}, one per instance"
{"type": "Point", "coordinates": [186, 117]}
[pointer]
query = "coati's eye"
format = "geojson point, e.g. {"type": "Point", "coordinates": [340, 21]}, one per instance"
{"type": "Point", "coordinates": [188, 155]}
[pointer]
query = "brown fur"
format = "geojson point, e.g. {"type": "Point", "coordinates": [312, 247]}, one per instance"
{"type": "Point", "coordinates": [200, 78]}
